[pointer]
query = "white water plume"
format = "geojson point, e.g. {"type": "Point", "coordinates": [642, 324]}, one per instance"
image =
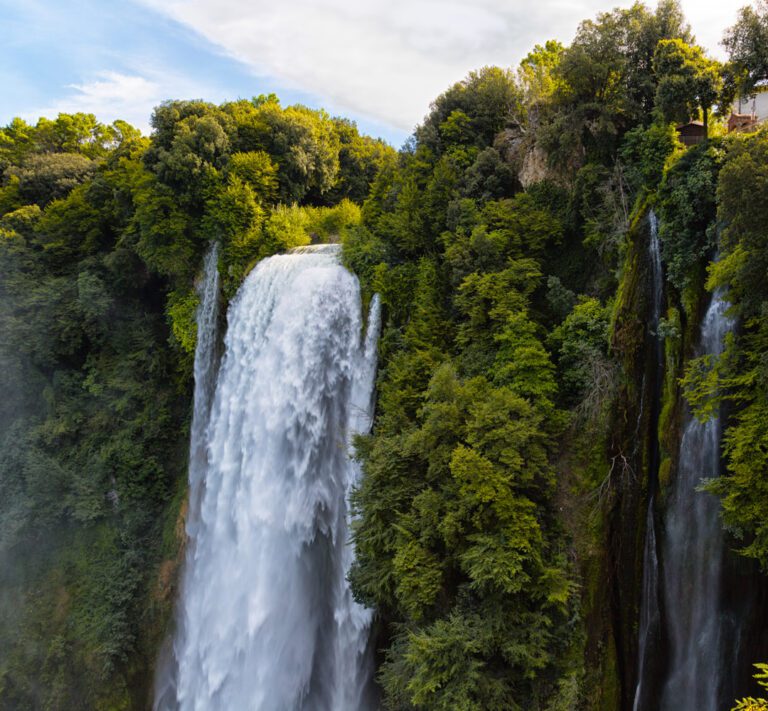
{"type": "Point", "coordinates": [267, 621]}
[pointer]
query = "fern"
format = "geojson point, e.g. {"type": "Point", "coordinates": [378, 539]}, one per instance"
{"type": "Point", "coordinates": [752, 704]}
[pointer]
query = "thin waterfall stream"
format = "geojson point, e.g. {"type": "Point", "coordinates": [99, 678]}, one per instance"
{"type": "Point", "coordinates": [650, 612]}
{"type": "Point", "coordinates": [266, 617]}
{"type": "Point", "coordinates": [693, 553]}
{"type": "Point", "coordinates": [683, 563]}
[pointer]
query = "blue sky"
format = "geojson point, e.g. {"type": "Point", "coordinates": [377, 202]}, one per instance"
{"type": "Point", "coordinates": [379, 62]}
{"type": "Point", "coordinates": [88, 55]}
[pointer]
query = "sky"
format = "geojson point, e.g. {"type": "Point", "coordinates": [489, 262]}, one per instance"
{"type": "Point", "coordinates": [379, 62]}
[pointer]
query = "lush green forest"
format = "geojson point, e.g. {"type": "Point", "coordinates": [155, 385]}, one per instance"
{"type": "Point", "coordinates": [501, 515]}
{"type": "Point", "coordinates": [103, 232]}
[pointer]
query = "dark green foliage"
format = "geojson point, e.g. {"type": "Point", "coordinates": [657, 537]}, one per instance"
{"type": "Point", "coordinates": [101, 237]}
{"type": "Point", "coordinates": [580, 345]}
{"type": "Point", "coordinates": [740, 375]}
{"type": "Point", "coordinates": [747, 46]}
{"type": "Point", "coordinates": [489, 177]}
{"type": "Point", "coordinates": [646, 151]}
{"type": "Point", "coordinates": [92, 354]}
{"type": "Point", "coordinates": [688, 81]}
{"type": "Point", "coordinates": [360, 160]}
{"type": "Point", "coordinates": [457, 544]}
{"type": "Point", "coordinates": [601, 196]}
{"type": "Point", "coordinates": [686, 208]}
{"type": "Point", "coordinates": [606, 82]}
{"type": "Point", "coordinates": [471, 112]}
{"type": "Point", "coordinates": [45, 177]}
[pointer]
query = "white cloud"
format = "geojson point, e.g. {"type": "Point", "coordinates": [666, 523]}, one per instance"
{"type": "Point", "coordinates": [387, 59]}
{"type": "Point", "coordinates": [383, 60]}
{"type": "Point", "coordinates": [709, 18]}
{"type": "Point", "coordinates": [110, 96]}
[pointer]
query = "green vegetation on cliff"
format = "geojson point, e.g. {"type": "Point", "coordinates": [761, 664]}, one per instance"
{"type": "Point", "coordinates": [101, 236]}
{"type": "Point", "coordinates": [501, 514]}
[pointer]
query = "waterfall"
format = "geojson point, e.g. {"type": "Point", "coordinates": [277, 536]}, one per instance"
{"type": "Point", "coordinates": [650, 613]}
{"type": "Point", "coordinates": [205, 365]}
{"type": "Point", "coordinates": [266, 617]}
{"type": "Point", "coordinates": [693, 553]}
{"type": "Point", "coordinates": [206, 362]}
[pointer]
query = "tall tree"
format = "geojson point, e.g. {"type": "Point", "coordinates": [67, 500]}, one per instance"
{"type": "Point", "coordinates": [747, 46]}
{"type": "Point", "coordinates": [689, 81]}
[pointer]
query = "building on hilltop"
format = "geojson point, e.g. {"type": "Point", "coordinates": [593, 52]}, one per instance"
{"type": "Point", "coordinates": [748, 112]}
{"type": "Point", "coordinates": [692, 133]}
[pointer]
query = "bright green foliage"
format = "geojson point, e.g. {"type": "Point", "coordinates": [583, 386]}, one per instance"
{"type": "Point", "coordinates": [257, 170]}
{"type": "Point", "coordinates": [295, 226]}
{"type": "Point", "coordinates": [287, 227]}
{"type": "Point", "coordinates": [456, 542]}
{"type": "Point", "coordinates": [503, 229]}
{"type": "Point", "coordinates": [306, 149]}
{"type": "Point", "coordinates": [465, 542]}
{"type": "Point", "coordinates": [689, 81]}
{"type": "Point", "coordinates": [459, 545]}
{"type": "Point", "coordinates": [68, 133]}
{"type": "Point", "coordinates": [292, 154]}
{"type": "Point", "coordinates": [161, 227]}
{"type": "Point", "coordinates": [182, 308]}
{"type": "Point", "coordinates": [101, 237]}
{"type": "Point", "coordinates": [536, 72]}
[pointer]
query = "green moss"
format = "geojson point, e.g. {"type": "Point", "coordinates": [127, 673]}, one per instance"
{"type": "Point", "coordinates": [665, 472]}
{"type": "Point", "coordinates": [670, 329]}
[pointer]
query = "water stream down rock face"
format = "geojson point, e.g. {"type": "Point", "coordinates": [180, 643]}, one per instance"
{"type": "Point", "coordinates": [650, 613]}
{"type": "Point", "coordinates": [693, 554]}
{"type": "Point", "coordinates": [266, 619]}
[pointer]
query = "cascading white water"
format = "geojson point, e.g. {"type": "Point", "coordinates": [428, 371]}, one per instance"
{"type": "Point", "coordinates": [693, 553]}
{"type": "Point", "coordinates": [650, 614]}
{"type": "Point", "coordinates": [267, 620]}
{"type": "Point", "coordinates": [649, 608]}
{"type": "Point", "coordinates": [205, 367]}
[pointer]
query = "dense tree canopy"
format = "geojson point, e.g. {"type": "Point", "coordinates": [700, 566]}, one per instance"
{"type": "Point", "coordinates": [101, 236]}
{"type": "Point", "coordinates": [688, 81]}
{"type": "Point", "coordinates": [505, 479]}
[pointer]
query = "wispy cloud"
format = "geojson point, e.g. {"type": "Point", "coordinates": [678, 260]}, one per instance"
{"type": "Point", "coordinates": [110, 96]}
{"type": "Point", "coordinates": [378, 61]}
{"type": "Point", "coordinates": [382, 59]}
{"type": "Point", "coordinates": [387, 59]}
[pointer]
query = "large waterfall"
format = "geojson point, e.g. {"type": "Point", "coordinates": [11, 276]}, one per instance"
{"type": "Point", "coordinates": [693, 554]}
{"type": "Point", "coordinates": [266, 618]}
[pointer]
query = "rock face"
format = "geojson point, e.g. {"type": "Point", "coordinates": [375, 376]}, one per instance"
{"type": "Point", "coordinates": [518, 148]}
{"type": "Point", "coordinates": [534, 167]}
